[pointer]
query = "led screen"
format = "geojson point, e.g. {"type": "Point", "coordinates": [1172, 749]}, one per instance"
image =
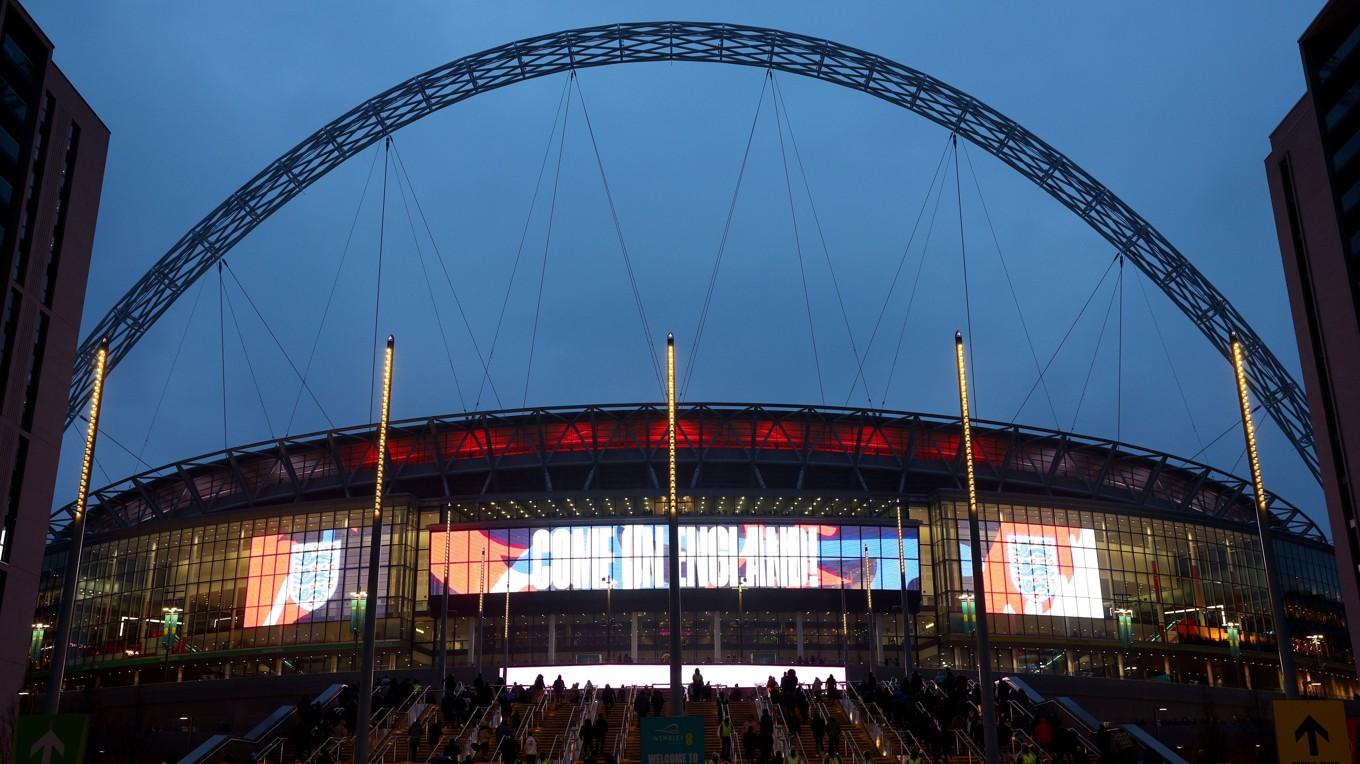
{"type": "Point", "coordinates": [301, 577]}
{"type": "Point", "coordinates": [634, 556]}
{"type": "Point", "coordinates": [1037, 569]}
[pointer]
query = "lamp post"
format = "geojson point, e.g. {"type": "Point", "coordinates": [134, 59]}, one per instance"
{"type": "Point", "coordinates": [66, 608]}
{"type": "Point", "coordinates": [908, 648]}
{"type": "Point", "coordinates": [609, 616]}
{"type": "Point", "coordinates": [442, 669]}
{"type": "Point", "coordinates": [673, 521]}
{"type": "Point", "coordinates": [741, 618]}
{"type": "Point", "coordinates": [481, 610]}
{"type": "Point", "coordinates": [1282, 640]}
{"type": "Point", "coordinates": [1315, 642]}
{"type": "Point", "coordinates": [987, 692]}
{"type": "Point", "coordinates": [505, 627]}
{"type": "Point", "coordinates": [364, 717]}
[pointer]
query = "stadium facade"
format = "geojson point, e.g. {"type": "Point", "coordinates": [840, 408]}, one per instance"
{"type": "Point", "coordinates": [1100, 558]}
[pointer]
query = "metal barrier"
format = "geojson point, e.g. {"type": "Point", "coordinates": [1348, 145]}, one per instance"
{"type": "Point", "coordinates": [217, 746]}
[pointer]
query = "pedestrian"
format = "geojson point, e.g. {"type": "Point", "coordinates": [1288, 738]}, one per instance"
{"type": "Point", "coordinates": [833, 735]}
{"type": "Point", "coordinates": [658, 702]}
{"type": "Point", "coordinates": [531, 748]}
{"type": "Point", "coordinates": [414, 735]}
{"type": "Point", "coordinates": [725, 736]}
{"type": "Point", "coordinates": [601, 731]}
{"type": "Point", "coordinates": [818, 725]}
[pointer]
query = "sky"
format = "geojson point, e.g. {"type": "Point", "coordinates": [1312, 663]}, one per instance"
{"type": "Point", "coordinates": [1169, 104]}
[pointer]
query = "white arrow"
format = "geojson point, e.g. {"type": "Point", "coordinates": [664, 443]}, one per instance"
{"type": "Point", "coordinates": [47, 743]}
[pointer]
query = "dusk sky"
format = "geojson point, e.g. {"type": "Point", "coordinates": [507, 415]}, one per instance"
{"type": "Point", "coordinates": [1168, 104]}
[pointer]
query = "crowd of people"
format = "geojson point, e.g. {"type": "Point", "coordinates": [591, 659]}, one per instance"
{"type": "Point", "coordinates": [933, 714]}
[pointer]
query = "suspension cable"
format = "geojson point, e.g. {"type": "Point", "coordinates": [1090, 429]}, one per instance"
{"type": "Point", "coordinates": [377, 289]}
{"type": "Point", "coordinates": [429, 290]}
{"type": "Point", "coordinates": [1065, 336]}
{"type": "Point", "coordinates": [103, 433]}
{"type": "Point", "coordinates": [256, 309]}
{"type": "Point", "coordinates": [1166, 352]}
{"type": "Point", "coordinates": [165, 386]}
{"type": "Point", "coordinates": [1095, 355]}
{"type": "Point", "coordinates": [439, 256]}
{"type": "Point", "coordinates": [547, 246]}
{"type": "Point", "coordinates": [798, 249]}
{"type": "Point", "coordinates": [519, 251]}
{"type": "Point", "coordinates": [722, 242]}
{"type": "Point", "coordinates": [330, 297]}
{"type": "Point", "coordinates": [782, 104]}
{"type": "Point", "coordinates": [967, 294]}
{"type": "Point", "coordinates": [1236, 423]}
{"type": "Point", "coordinates": [1119, 361]}
{"type": "Point", "coordinates": [222, 352]}
{"type": "Point", "coordinates": [647, 337]}
{"type": "Point", "coordinates": [1005, 269]}
{"type": "Point", "coordinates": [241, 338]}
{"type": "Point", "coordinates": [901, 261]}
{"type": "Point", "coordinates": [915, 284]}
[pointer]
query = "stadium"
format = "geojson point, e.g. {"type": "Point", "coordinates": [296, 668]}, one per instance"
{"type": "Point", "coordinates": [1101, 559]}
{"type": "Point", "coordinates": [533, 542]}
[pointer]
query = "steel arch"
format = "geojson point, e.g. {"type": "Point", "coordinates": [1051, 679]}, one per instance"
{"type": "Point", "coordinates": [213, 236]}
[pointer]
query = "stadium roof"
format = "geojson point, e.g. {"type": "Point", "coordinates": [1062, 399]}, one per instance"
{"type": "Point", "coordinates": [724, 449]}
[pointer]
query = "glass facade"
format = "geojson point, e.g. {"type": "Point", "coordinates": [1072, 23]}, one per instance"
{"type": "Point", "coordinates": [275, 586]}
{"type": "Point", "coordinates": [1072, 588]}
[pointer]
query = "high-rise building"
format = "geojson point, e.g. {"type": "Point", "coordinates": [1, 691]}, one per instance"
{"type": "Point", "coordinates": [1314, 175]}
{"type": "Point", "coordinates": [52, 150]}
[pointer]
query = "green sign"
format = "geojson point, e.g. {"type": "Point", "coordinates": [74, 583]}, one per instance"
{"type": "Point", "coordinates": [672, 740]}
{"type": "Point", "coordinates": [50, 739]}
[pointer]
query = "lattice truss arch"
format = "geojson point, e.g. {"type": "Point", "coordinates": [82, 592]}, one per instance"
{"type": "Point", "coordinates": [213, 236]}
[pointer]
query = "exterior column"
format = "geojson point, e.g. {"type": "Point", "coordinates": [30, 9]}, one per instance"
{"type": "Point", "coordinates": [1166, 665]}
{"type": "Point", "coordinates": [635, 637]}
{"type": "Point", "coordinates": [474, 645]}
{"type": "Point", "coordinates": [1246, 675]}
{"type": "Point", "coordinates": [1119, 661]}
{"type": "Point", "coordinates": [717, 637]}
{"type": "Point", "coordinates": [1071, 667]}
{"type": "Point", "coordinates": [798, 631]}
{"type": "Point", "coordinates": [278, 667]}
{"type": "Point", "coordinates": [1209, 671]}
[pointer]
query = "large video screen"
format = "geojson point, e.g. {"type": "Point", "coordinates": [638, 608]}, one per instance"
{"type": "Point", "coordinates": [1036, 569]}
{"type": "Point", "coordinates": [632, 556]}
{"type": "Point", "coordinates": [301, 577]}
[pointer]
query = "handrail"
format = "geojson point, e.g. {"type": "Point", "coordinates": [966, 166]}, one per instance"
{"type": "Point", "coordinates": [1044, 756]}
{"type": "Point", "coordinates": [965, 746]}
{"type": "Point", "coordinates": [384, 744]}
{"type": "Point", "coordinates": [217, 744]}
{"type": "Point", "coordinates": [621, 739]}
{"type": "Point", "coordinates": [473, 719]}
{"type": "Point", "coordinates": [887, 726]}
{"type": "Point", "coordinates": [781, 725]}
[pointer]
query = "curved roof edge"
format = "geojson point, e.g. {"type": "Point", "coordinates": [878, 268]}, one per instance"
{"type": "Point", "coordinates": [331, 462]}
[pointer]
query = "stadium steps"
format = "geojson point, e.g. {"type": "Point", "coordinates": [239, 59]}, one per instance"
{"type": "Point", "coordinates": [708, 709]}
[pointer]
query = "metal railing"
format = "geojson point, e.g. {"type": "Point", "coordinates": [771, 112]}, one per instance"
{"type": "Point", "coordinates": [781, 728]}
{"type": "Point", "coordinates": [964, 746]}
{"type": "Point", "coordinates": [469, 727]}
{"type": "Point", "coordinates": [621, 740]}
{"type": "Point", "coordinates": [1021, 739]}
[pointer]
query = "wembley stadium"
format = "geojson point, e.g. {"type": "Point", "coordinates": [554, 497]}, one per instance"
{"type": "Point", "coordinates": [1101, 559]}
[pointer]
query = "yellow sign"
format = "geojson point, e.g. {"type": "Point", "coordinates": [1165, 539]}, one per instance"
{"type": "Point", "coordinates": [1311, 732]}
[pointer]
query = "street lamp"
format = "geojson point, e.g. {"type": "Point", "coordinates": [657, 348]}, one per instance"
{"type": "Point", "coordinates": [1315, 642]}
{"type": "Point", "coordinates": [609, 615]}
{"type": "Point", "coordinates": [741, 614]}
{"type": "Point", "coordinates": [188, 730]}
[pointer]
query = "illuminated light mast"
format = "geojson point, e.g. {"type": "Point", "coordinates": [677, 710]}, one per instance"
{"type": "Point", "coordinates": [374, 551]}
{"type": "Point", "coordinates": [66, 610]}
{"type": "Point", "coordinates": [908, 651]}
{"type": "Point", "coordinates": [673, 523]}
{"type": "Point", "coordinates": [984, 648]}
{"type": "Point", "coordinates": [1283, 643]}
